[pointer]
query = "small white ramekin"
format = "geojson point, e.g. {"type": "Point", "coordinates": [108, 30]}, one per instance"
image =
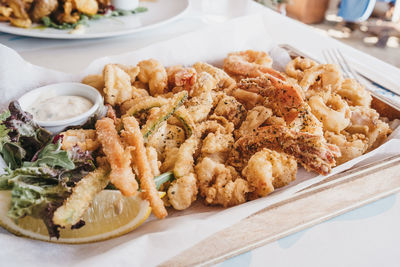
{"type": "Point", "coordinates": [125, 4]}
{"type": "Point", "coordinates": [63, 89]}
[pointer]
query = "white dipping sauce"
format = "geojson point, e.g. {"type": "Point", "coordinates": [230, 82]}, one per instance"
{"type": "Point", "coordinates": [59, 108]}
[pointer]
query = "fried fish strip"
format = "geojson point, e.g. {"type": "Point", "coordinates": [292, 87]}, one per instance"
{"type": "Point", "coordinates": [134, 138]}
{"type": "Point", "coordinates": [119, 158]}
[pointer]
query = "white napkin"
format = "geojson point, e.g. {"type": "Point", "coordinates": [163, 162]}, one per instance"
{"type": "Point", "coordinates": [157, 240]}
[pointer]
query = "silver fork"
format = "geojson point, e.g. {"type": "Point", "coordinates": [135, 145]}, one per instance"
{"type": "Point", "coordinates": [334, 56]}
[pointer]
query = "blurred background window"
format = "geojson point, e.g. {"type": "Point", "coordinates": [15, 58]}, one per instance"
{"type": "Point", "coordinates": [372, 26]}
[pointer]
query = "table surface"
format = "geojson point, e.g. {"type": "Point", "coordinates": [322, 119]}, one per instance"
{"type": "Point", "coordinates": [367, 236]}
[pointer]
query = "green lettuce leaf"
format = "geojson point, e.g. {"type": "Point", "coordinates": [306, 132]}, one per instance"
{"type": "Point", "coordinates": [36, 192]}
{"type": "Point", "coordinates": [52, 156]}
{"type": "Point", "coordinates": [20, 136]}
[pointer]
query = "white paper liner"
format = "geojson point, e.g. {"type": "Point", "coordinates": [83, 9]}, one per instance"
{"type": "Point", "coordinates": [157, 240]}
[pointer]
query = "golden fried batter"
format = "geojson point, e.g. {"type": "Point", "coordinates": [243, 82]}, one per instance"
{"type": "Point", "coordinates": [218, 186]}
{"type": "Point", "coordinates": [118, 87]}
{"type": "Point", "coordinates": [86, 140]}
{"type": "Point", "coordinates": [118, 157]}
{"type": "Point", "coordinates": [267, 170]}
{"type": "Point", "coordinates": [134, 138]}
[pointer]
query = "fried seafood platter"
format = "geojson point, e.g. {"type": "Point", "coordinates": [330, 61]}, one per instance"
{"type": "Point", "coordinates": [222, 136]}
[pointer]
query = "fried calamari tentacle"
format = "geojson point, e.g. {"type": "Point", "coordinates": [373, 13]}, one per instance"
{"type": "Point", "coordinates": [119, 158]}
{"type": "Point", "coordinates": [351, 145]}
{"type": "Point", "coordinates": [267, 170]}
{"type": "Point", "coordinates": [118, 87]}
{"type": "Point", "coordinates": [354, 93]}
{"type": "Point", "coordinates": [112, 114]}
{"type": "Point", "coordinates": [134, 138]}
{"type": "Point", "coordinates": [183, 191]}
{"type": "Point", "coordinates": [254, 119]}
{"type": "Point", "coordinates": [365, 120]}
{"type": "Point", "coordinates": [154, 73]}
{"type": "Point", "coordinates": [85, 139]}
{"type": "Point", "coordinates": [220, 185]}
{"type": "Point", "coordinates": [231, 109]}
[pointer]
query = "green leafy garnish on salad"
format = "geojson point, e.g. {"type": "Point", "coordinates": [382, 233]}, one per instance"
{"type": "Point", "coordinates": [84, 19]}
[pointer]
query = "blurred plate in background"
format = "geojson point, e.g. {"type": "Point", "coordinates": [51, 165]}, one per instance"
{"type": "Point", "coordinates": [159, 12]}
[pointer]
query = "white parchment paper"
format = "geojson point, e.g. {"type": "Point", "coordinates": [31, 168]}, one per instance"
{"type": "Point", "coordinates": [156, 241]}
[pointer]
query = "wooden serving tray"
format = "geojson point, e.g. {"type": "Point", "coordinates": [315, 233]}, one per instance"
{"type": "Point", "coordinates": [309, 207]}
{"type": "Point", "coordinates": [334, 196]}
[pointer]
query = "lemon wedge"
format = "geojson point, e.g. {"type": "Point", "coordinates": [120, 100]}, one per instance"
{"type": "Point", "coordinates": [110, 215]}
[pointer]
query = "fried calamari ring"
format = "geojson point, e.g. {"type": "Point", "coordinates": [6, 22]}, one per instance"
{"type": "Point", "coordinates": [329, 74]}
{"type": "Point", "coordinates": [249, 64]}
{"type": "Point", "coordinates": [333, 112]}
{"type": "Point", "coordinates": [298, 66]}
{"type": "Point", "coordinates": [134, 138]}
{"type": "Point", "coordinates": [119, 158]}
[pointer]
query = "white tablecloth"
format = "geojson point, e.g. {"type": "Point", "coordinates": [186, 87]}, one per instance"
{"type": "Point", "coordinates": [368, 236]}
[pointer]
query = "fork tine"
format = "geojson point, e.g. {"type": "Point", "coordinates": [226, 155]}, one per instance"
{"type": "Point", "coordinates": [325, 54]}
{"type": "Point", "coordinates": [341, 64]}
{"type": "Point", "coordinates": [350, 69]}
{"type": "Point", "coordinates": [344, 66]}
{"type": "Point", "coordinates": [331, 56]}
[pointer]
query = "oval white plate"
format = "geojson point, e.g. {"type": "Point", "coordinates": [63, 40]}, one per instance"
{"type": "Point", "coordinates": [159, 12]}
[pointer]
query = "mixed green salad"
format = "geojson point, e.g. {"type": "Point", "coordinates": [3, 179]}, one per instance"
{"type": "Point", "coordinates": [39, 173]}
